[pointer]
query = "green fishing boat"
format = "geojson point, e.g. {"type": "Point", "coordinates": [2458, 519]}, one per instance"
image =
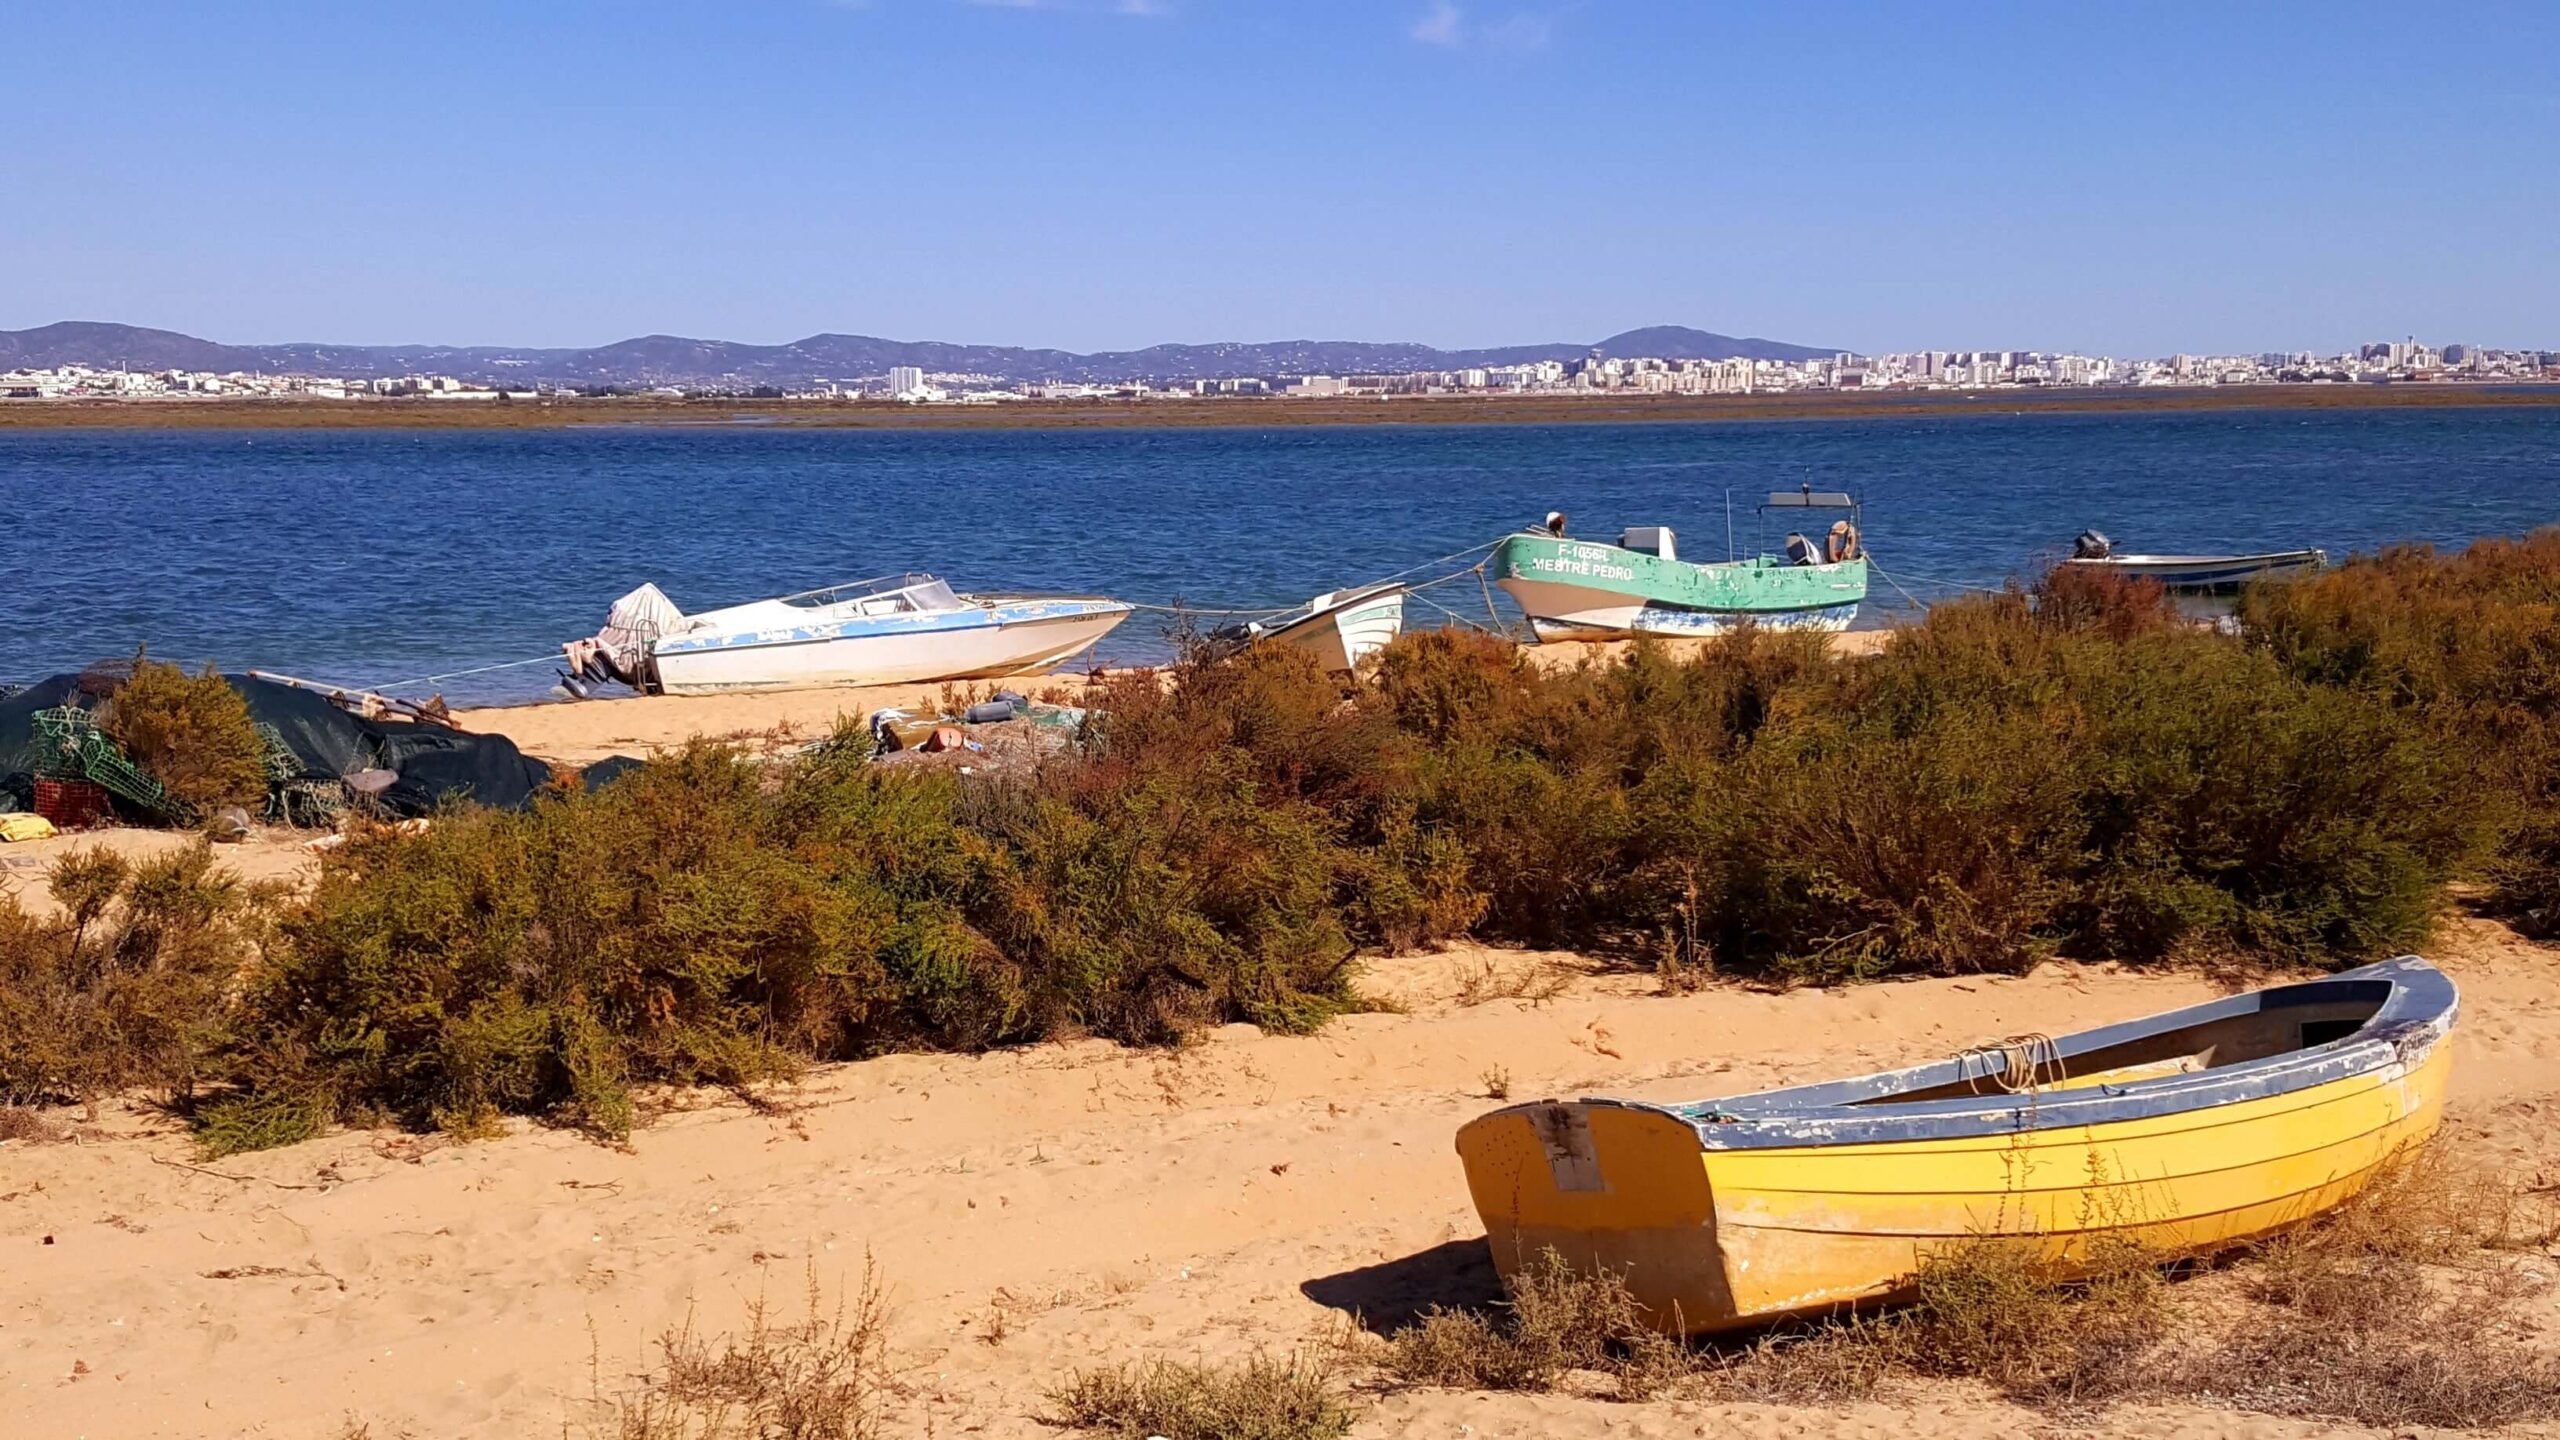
{"type": "Point", "coordinates": [1588, 589]}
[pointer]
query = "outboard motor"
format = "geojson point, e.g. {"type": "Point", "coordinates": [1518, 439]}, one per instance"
{"type": "Point", "coordinates": [2092, 545]}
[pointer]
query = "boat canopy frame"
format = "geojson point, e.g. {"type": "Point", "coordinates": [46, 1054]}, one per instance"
{"type": "Point", "coordinates": [1803, 497]}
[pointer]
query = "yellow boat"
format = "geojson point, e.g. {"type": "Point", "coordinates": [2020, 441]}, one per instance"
{"type": "Point", "coordinates": [2185, 1132]}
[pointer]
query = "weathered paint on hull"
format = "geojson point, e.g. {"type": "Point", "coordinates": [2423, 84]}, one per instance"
{"type": "Point", "coordinates": [1714, 1240]}
{"type": "Point", "coordinates": [1577, 590]}
{"type": "Point", "coordinates": [2209, 574]}
{"type": "Point", "coordinates": [980, 652]}
{"type": "Point", "coordinates": [1561, 612]}
{"type": "Point", "coordinates": [1340, 639]}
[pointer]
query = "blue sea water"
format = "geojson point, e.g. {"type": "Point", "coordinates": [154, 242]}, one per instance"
{"type": "Point", "coordinates": [370, 556]}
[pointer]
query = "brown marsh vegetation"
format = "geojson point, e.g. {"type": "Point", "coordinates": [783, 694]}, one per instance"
{"type": "Point", "coordinates": [2068, 771]}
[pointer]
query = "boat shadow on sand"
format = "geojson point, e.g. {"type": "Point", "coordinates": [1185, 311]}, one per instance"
{"type": "Point", "coordinates": [1393, 1294]}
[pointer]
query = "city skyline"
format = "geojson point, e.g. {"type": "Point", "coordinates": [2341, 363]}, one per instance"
{"type": "Point", "coordinates": [1101, 176]}
{"type": "Point", "coordinates": [492, 375]}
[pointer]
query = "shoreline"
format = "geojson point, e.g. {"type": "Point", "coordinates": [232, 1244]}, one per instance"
{"type": "Point", "coordinates": [581, 732]}
{"type": "Point", "coordinates": [1237, 413]}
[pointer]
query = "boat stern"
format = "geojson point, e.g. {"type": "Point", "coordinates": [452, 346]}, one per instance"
{"type": "Point", "coordinates": [1605, 1186]}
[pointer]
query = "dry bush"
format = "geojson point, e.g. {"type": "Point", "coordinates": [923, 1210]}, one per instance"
{"type": "Point", "coordinates": [2396, 1310]}
{"type": "Point", "coordinates": [260, 1120]}
{"type": "Point", "coordinates": [2003, 1311]}
{"type": "Point", "coordinates": [825, 1377]}
{"type": "Point", "coordinates": [192, 733]}
{"type": "Point", "coordinates": [1484, 978]}
{"type": "Point", "coordinates": [2008, 780]}
{"type": "Point", "coordinates": [129, 984]}
{"type": "Point", "coordinates": [2086, 598]}
{"type": "Point", "coordinates": [19, 1122]}
{"type": "Point", "coordinates": [1265, 1398]}
{"type": "Point", "coordinates": [1557, 1320]}
{"type": "Point", "coordinates": [1836, 1362]}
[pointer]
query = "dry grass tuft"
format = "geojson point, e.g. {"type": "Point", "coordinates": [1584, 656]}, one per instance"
{"type": "Point", "coordinates": [19, 1122]}
{"type": "Point", "coordinates": [2399, 1310]}
{"type": "Point", "coordinates": [824, 1378]}
{"type": "Point", "coordinates": [1264, 1398]}
{"type": "Point", "coordinates": [1485, 978]}
{"type": "Point", "coordinates": [1557, 1320]}
{"type": "Point", "coordinates": [1831, 1363]}
{"type": "Point", "coordinates": [2004, 1312]}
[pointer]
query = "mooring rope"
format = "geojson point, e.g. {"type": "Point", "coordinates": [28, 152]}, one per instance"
{"type": "Point", "coordinates": [1930, 580]}
{"type": "Point", "coordinates": [386, 686]}
{"type": "Point", "coordinates": [2020, 1059]}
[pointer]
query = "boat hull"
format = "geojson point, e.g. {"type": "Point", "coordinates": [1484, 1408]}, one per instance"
{"type": "Point", "coordinates": [983, 642]}
{"type": "Point", "coordinates": [1344, 634]}
{"type": "Point", "coordinates": [2209, 574]}
{"type": "Point", "coordinates": [1715, 1237]}
{"type": "Point", "coordinates": [1577, 590]}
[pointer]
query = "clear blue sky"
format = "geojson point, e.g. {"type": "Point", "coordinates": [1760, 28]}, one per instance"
{"type": "Point", "coordinates": [2132, 178]}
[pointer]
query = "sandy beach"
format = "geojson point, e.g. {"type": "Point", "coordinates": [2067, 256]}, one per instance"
{"type": "Point", "coordinates": [1029, 1211]}
{"type": "Point", "coordinates": [1107, 1204]}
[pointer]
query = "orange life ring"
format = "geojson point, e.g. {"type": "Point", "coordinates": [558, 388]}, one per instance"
{"type": "Point", "coordinates": [1842, 543]}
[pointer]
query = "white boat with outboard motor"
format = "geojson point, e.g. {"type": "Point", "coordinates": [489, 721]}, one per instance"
{"type": "Point", "coordinates": [2194, 574]}
{"type": "Point", "coordinates": [890, 630]}
{"type": "Point", "coordinates": [1340, 627]}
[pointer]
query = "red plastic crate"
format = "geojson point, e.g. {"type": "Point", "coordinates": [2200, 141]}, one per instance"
{"type": "Point", "coordinates": [73, 804]}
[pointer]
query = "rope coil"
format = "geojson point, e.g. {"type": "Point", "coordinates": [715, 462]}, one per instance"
{"type": "Point", "coordinates": [2013, 1064]}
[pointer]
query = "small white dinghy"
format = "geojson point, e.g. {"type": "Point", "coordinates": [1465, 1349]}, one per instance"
{"type": "Point", "coordinates": [2195, 574]}
{"type": "Point", "coordinates": [1340, 627]}
{"type": "Point", "coordinates": [898, 629]}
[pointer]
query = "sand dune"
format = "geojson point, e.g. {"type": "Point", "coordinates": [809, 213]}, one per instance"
{"type": "Point", "coordinates": [1249, 1191]}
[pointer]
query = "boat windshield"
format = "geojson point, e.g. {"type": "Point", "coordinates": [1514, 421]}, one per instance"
{"type": "Point", "coordinates": [884, 595]}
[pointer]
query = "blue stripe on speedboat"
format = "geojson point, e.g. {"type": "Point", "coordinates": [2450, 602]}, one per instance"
{"type": "Point", "coordinates": [909, 622]}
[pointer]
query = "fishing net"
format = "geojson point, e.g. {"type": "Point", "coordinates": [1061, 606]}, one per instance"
{"type": "Point", "coordinates": [48, 731]}
{"type": "Point", "coordinates": [72, 747]}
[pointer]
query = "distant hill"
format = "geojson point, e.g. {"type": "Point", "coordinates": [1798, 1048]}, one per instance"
{"type": "Point", "coordinates": [675, 360]}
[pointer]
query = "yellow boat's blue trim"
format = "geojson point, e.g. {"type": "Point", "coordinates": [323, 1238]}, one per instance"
{"type": "Point", "coordinates": [1789, 1202]}
{"type": "Point", "coordinates": [2416, 1006]}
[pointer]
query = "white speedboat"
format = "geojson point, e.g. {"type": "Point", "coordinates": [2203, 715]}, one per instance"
{"type": "Point", "coordinates": [899, 629]}
{"type": "Point", "coordinates": [2195, 574]}
{"type": "Point", "coordinates": [1340, 627]}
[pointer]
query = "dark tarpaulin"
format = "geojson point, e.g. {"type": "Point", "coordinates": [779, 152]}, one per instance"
{"type": "Point", "coordinates": [435, 765]}
{"type": "Point", "coordinates": [609, 769]}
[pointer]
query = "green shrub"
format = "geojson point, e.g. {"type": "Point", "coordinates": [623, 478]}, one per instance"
{"type": "Point", "coordinates": [682, 925]}
{"type": "Point", "coordinates": [192, 733]}
{"type": "Point", "coordinates": [128, 984]}
{"type": "Point", "coordinates": [2061, 769]}
{"type": "Point", "coordinates": [2468, 644]}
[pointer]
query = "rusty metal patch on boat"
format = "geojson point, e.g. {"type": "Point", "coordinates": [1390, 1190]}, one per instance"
{"type": "Point", "coordinates": [1565, 1131]}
